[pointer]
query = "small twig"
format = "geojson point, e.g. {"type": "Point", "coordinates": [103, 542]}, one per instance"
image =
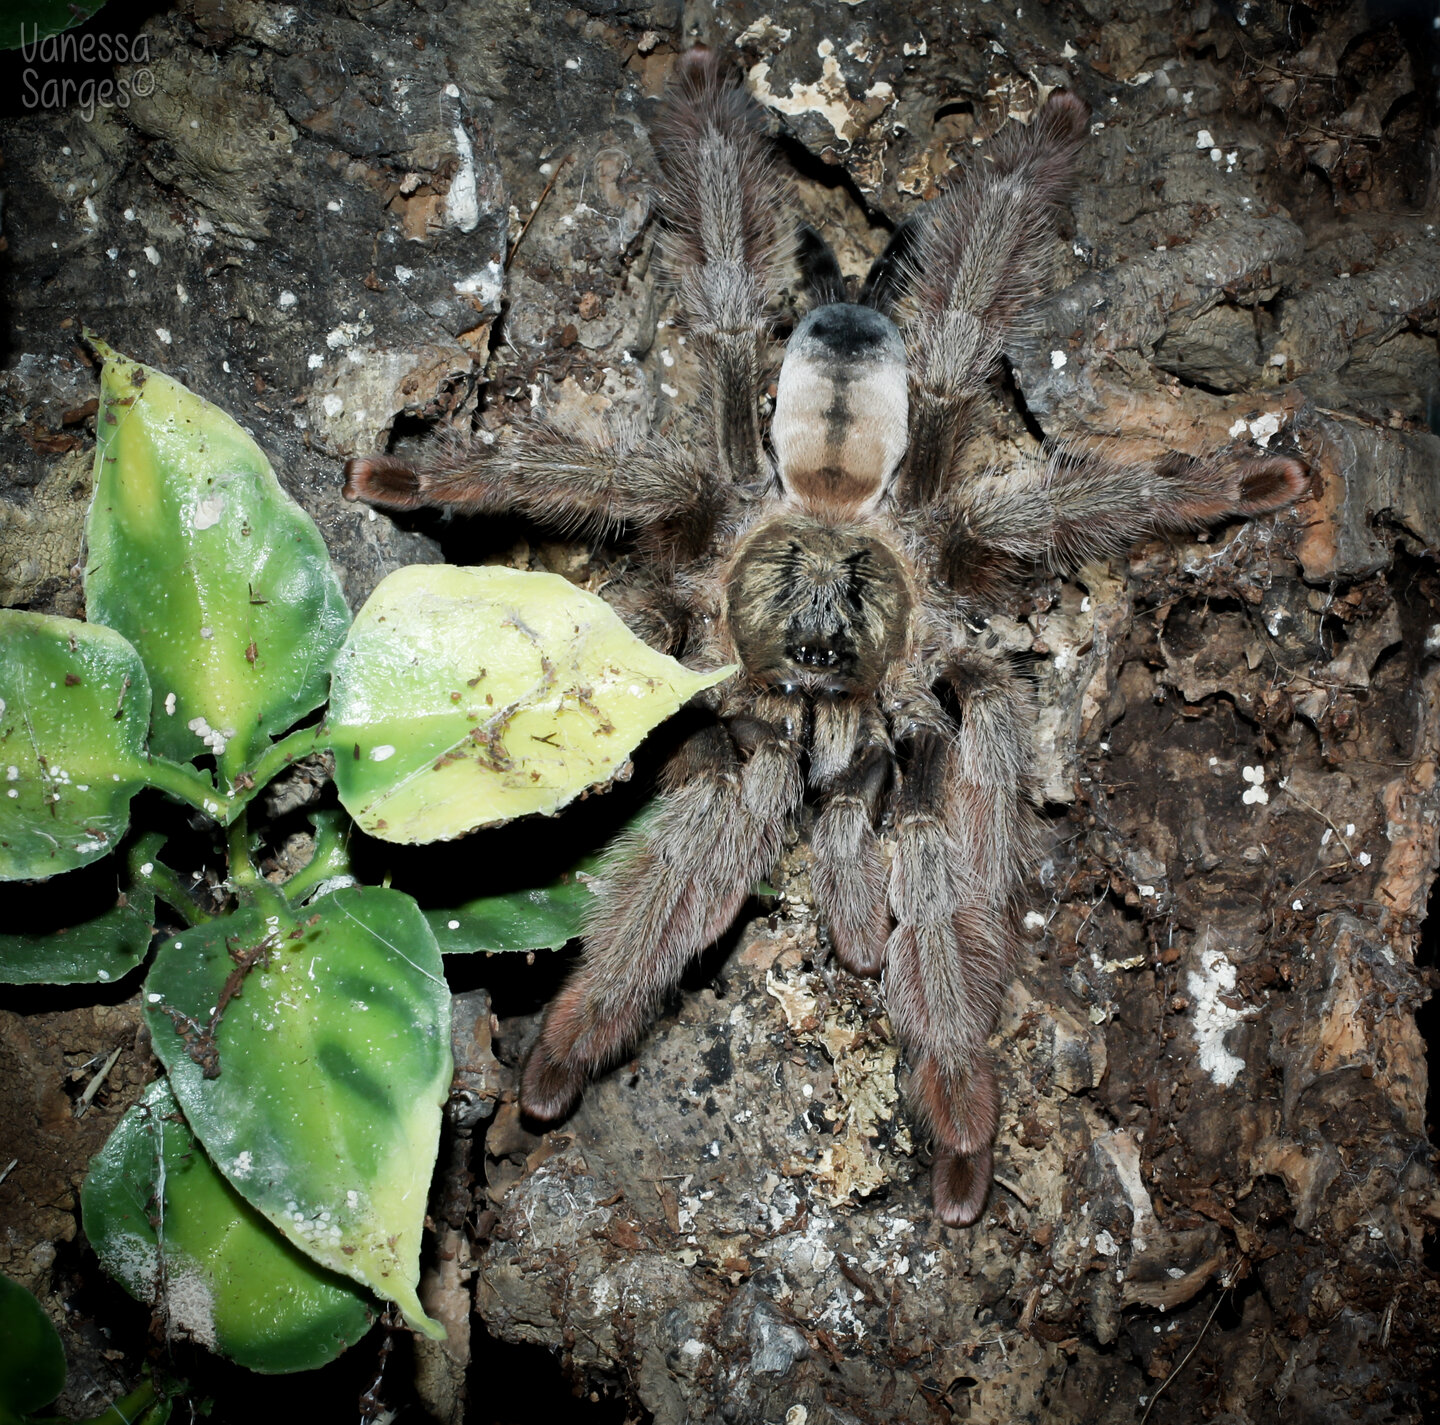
{"type": "Point", "coordinates": [5, 1173]}
{"type": "Point", "coordinates": [1024, 1201]}
{"type": "Point", "coordinates": [1339, 835]}
{"type": "Point", "coordinates": [539, 202]}
{"type": "Point", "coordinates": [1385, 1323]}
{"type": "Point", "coordinates": [1226, 1285]}
{"type": "Point", "coordinates": [93, 1087]}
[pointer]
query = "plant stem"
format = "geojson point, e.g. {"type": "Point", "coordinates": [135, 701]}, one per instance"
{"type": "Point", "coordinates": [242, 869]}
{"type": "Point", "coordinates": [274, 760]}
{"type": "Point", "coordinates": [186, 784]}
{"type": "Point", "coordinates": [163, 881]}
{"type": "Point", "coordinates": [331, 858]}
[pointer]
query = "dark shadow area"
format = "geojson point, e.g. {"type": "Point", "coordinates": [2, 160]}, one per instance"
{"type": "Point", "coordinates": [522, 1384]}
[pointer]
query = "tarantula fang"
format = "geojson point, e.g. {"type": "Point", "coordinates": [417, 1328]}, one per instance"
{"type": "Point", "coordinates": [839, 572]}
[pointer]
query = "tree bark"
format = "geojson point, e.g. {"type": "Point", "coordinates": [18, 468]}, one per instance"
{"type": "Point", "coordinates": [345, 221]}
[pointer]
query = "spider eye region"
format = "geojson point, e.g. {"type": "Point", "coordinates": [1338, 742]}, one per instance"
{"type": "Point", "coordinates": [826, 608]}
{"type": "Point", "coordinates": [841, 410]}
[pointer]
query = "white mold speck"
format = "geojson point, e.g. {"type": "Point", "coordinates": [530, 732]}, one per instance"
{"type": "Point", "coordinates": [209, 511]}
{"type": "Point", "coordinates": [381, 753]}
{"type": "Point", "coordinates": [486, 284]}
{"type": "Point", "coordinates": [462, 202]}
{"type": "Point", "coordinates": [1213, 1018]}
{"type": "Point", "coordinates": [1255, 792]}
{"type": "Point", "coordinates": [1266, 426]}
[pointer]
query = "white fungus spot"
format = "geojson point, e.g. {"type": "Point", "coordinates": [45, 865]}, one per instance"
{"type": "Point", "coordinates": [1212, 1018]}
{"type": "Point", "coordinates": [333, 405]}
{"type": "Point", "coordinates": [1266, 426]}
{"type": "Point", "coordinates": [209, 510]}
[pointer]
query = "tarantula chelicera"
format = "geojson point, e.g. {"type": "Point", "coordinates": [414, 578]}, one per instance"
{"type": "Point", "coordinates": [840, 567]}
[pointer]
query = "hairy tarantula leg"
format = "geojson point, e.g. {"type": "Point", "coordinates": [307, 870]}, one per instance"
{"type": "Point", "coordinates": [887, 279]}
{"type": "Point", "coordinates": [963, 835]}
{"type": "Point", "coordinates": [723, 200]}
{"type": "Point", "coordinates": [565, 480]}
{"type": "Point", "coordinates": [718, 829]}
{"type": "Point", "coordinates": [1075, 506]}
{"type": "Point", "coordinates": [819, 268]}
{"type": "Point", "coordinates": [981, 258]}
{"type": "Point", "coordinates": [848, 874]}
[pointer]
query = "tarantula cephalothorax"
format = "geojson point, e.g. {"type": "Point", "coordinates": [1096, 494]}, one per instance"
{"type": "Point", "coordinates": [840, 573]}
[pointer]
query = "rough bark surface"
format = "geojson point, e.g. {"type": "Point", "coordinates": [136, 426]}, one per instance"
{"type": "Point", "coordinates": [1214, 1181]}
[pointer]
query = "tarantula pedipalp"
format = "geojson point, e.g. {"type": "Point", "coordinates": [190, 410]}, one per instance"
{"type": "Point", "coordinates": [839, 573]}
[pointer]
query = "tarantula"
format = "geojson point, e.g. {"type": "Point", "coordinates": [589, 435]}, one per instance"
{"type": "Point", "coordinates": [842, 567]}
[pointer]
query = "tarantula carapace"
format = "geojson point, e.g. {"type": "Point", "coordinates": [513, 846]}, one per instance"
{"type": "Point", "coordinates": [843, 568]}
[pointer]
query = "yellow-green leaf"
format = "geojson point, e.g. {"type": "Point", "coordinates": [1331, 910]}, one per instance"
{"type": "Point", "coordinates": [311, 1055]}
{"type": "Point", "coordinates": [74, 703]}
{"type": "Point", "coordinates": [169, 1228]}
{"type": "Point", "coordinates": [467, 697]}
{"type": "Point", "coordinates": [208, 567]}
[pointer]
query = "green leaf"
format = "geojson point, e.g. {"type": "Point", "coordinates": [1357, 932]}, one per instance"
{"type": "Point", "coordinates": [32, 1360]}
{"type": "Point", "coordinates": [329, 1060]}
{"type": "Point", "coordinates": [169, 1228]}
{"type": "Point", "coordinates": [26, 22]}
{"type": "Point", "coordinates": [210, 569]}
{"type": "Point", "coordinates": [74, 703]}
{"type": "Point", "coordinates": [467, 697]}
{"type": "Point", "coordinates": [96, 951]}
{"type": "Point", "coordinates": [541, 919]}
